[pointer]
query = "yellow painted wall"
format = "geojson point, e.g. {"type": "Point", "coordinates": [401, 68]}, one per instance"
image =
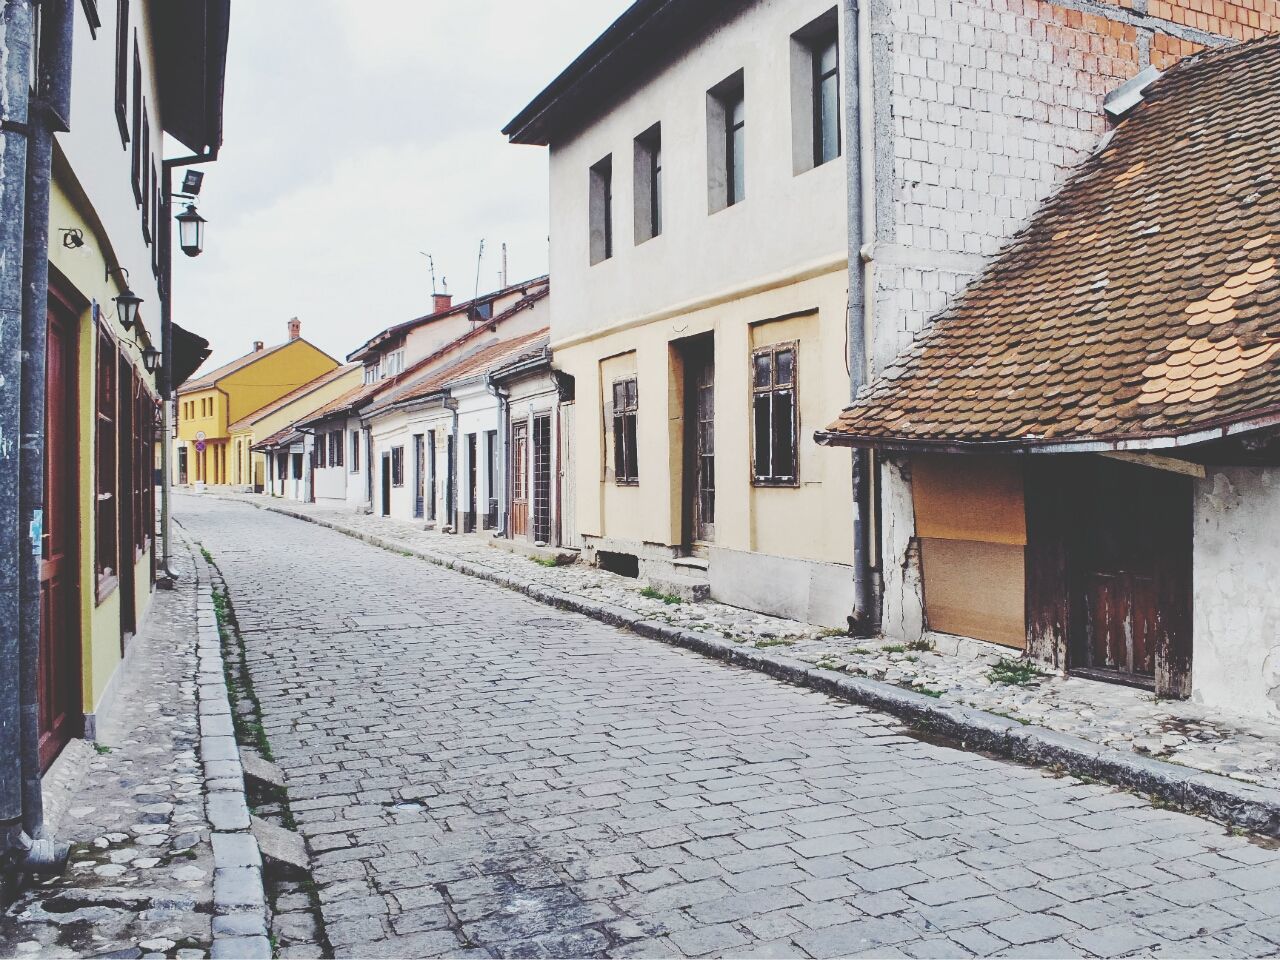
{"type": "Point", "coordinates": [810, 522]}
{"type": "Point", "coordinates": [84, 269]}
{"type": "Point", "coordinates": [282, 371]}
{"type": "Point", "coordinates": [213, 423]}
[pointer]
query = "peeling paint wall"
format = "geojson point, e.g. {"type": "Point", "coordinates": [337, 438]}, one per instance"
{"type": "Point", "coordinates": [902, 615]}
{"type": "Point", "coordinates": [1236, 616]}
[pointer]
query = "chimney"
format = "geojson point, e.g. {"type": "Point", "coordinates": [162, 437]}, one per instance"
{"type": "Point", "coordinates": [257, 346]}
{"type": "Point", "coordinates": [441, 302]}
{"type": "Point", "coordinates": [295, 328]}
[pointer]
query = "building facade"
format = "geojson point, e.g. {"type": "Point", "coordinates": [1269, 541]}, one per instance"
{"type": "Point", "coordinates": [699, 250]}
{"type": "Point", "coordinates": [209, 404]}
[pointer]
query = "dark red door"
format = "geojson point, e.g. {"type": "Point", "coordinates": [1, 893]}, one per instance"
{"type": "Point", "coordinates": [1132, 566]}
{"type": "Point", "coordinates": [59, 667]}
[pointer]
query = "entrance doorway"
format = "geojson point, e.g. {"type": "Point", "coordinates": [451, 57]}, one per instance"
{"type": "Point", "coordinates": [419, 474]}
{"type": "Point", "coordinates": [542, 478]}
{"type": "Point", "coordinates": [699, 488]}
{"type": "Point", "coordinates": [386, 484]}
{"type": "Point", "coordinates": [60, 716]}
{"type": "Point", "coordinates": [473, 493]}
{"type": "Point", "coordinates": [519, 478]}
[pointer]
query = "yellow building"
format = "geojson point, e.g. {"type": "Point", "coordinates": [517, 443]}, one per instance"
{"type": "Point", "coordinates": [247, 469]}
{"type": "Point", "coordinates": [209, 405]}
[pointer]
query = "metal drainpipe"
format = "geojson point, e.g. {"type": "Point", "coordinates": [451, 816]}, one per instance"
{"type": "Point", "coordinates": [17, 25]}
{"type": "Point", "coordinates": [504, 412]}
{"type": "Point", "coordinates": [52, 113]}
{"type": "Point", "coordinates": [855, 104]}
{"type": "Point", "coordinates": [368, 464]}
{"type": "Point", "coordinates": [166, 383]}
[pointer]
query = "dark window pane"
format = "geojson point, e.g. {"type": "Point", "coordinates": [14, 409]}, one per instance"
{"type": "Point", "coordinates": [784, 441]}
{"type": "Point", "coordinates": [763, 363]}
{"type": "Point", "coordinates": [630, 435]}
{"type": "Point", "coordinates": [761, 438]}
{"type": "Point", "coordinates": [631, 394]}
{"type": "Point", "coordinates": [655, 193]}
{"type": "Point", "coordinates": [829, 119]}
{"type": "Point", "coordinates": [619, 396]}
{"type": "Point", "coordinates": [785, 365]}
{"type": "Point", "coordinates": [739, 187]}
{"type": "Point", "coordinates": [826, 59]}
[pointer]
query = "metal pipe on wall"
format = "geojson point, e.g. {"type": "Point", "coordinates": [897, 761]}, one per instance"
{"type": "Point", "coordinates": [17, 24]}
{"type": "Point", "coordinates": [504, 414]}
{"type": "Point", "coordinates": [52, 114]}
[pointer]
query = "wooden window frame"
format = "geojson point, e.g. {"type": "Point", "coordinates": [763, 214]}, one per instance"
{"type": "Point", "coordinates": [397, 466]}
{"type": "Point", "coordinates": [626, 467]}
{"type": "Point", "coordinates": [821, 45]}
{"type": "Point", "coordinates": [122, 70]}
{"type": "Point", "coordinates": [106, 503]}
{"type": "Point", "coordinates": [147, 167]}
{"type": "Point", "coordinates": [771, 390]}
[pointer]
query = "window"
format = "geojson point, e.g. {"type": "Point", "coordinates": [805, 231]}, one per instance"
{"type": "Point", "coordinates": [355, 451]}
{"type": "Point", "coordinates": [122, 69]}
{"type": "Point", "coordinates": [625, 407]}
{"type": "Point", "coordinates": [146, 173]}
{"type": "Point", "coordinates": [137, 124]}
{"type": "Point", "coordinates": [773, 387]}
{"type": "Point", "coordinates": [106, 552]}
{"type": "Point", "coordinates": [397, 466]}
{"type": "Point", "coordinates": [335, 448]}
{"type": "Point", "coordinates": [155, 219]}
{"type": "Point", "coordinates": [282, 465]}
{"type": "Point", "coordinates": [391, 364]}
{"type": "Point", "coordinates": [815, 93]}
{"type": "Point", "coordinates": [371, 373]}
{"type": "Point", "coordinates": [648, 184]}
{"type": "Point", "coordinates": [600, 210]}
{"type": "Point", "coordinates": [726, 143]}
{"type": "Point", "coordinates": [317, 451]}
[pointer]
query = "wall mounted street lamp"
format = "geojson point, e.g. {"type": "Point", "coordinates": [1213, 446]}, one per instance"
{"type": "Point", "coordinates": [191, 231]}
{"type": "Point", "coordinates": [151, 359]}
{"type": "Point", "coordinates": [127, 303]}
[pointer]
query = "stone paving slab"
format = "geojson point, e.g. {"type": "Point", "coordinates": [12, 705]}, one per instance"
{"type": "Point", "coordinates": [140, 878]}
{"type": "Point", "coordinates": [1089, 731]}
{"type": "Point", "coordinates": [508, 781]}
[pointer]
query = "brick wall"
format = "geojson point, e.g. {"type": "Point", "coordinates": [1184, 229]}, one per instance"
{"type": "Point", "coordinates": [992, 102]}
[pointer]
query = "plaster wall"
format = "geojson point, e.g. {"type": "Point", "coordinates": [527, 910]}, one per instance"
{"type": "Point", "coordinates": [902, 602]}
{"type": "Point", "coordinates": [389, 431]}
{"type": "Point", "coordinates": [1235, 662]}
{"type": "Point", "coordinates": [786, 220]}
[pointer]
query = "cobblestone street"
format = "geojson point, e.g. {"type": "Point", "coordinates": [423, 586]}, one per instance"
{"type": "Point", "coordinates": [479, 774]}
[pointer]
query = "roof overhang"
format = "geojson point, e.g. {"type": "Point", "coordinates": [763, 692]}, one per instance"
{"type": "Point", "coordinates": [648, 34]}
{"type": "Point", "coordinates": [190, 351]}
{"type": "Point", "coordinates": [1205, 434]}
{"type": "Point", "coordinates": [191, 65]}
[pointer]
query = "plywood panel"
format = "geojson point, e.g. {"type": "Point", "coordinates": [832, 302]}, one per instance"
{"type": "Point", "coordinates": [975, 589]}
{"type": "Point", "coordinates": [969, 498]}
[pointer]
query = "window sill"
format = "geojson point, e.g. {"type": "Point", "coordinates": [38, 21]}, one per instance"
{"type": "Point", "coordinates": [106, 587]}
{"type": "Point", "coordinates": [626, 483]}
{"type": "Point", "coordinates": [778, 484]}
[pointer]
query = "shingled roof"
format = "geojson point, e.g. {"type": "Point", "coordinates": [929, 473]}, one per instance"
{"type": "Point", "coordinates": [1141, 306]}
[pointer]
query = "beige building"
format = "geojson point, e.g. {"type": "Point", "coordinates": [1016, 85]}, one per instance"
{"type": "Point", "coordinates": [699, 251]}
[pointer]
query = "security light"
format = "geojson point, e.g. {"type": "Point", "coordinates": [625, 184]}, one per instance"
{"type": "Point", "coordinates": [191, 182]}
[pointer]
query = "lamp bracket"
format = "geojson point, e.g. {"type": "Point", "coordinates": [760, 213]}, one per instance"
{"type": "Point", "coordinates": [123, 270]}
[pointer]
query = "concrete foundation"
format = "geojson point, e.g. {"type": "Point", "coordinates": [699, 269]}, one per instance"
{"type": "Point", "coordinates": [806, 590]}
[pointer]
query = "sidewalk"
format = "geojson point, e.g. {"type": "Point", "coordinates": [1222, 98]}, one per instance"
{"type": "Point", "coordinates": [140, 878]}
{"type": "Point", "coordinates": [1113, 717]}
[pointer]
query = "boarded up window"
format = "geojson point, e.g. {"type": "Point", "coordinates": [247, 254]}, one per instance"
{"type": "Point", "coordinates": [971, 521]}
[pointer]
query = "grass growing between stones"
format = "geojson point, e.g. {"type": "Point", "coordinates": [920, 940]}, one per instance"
{"type": "Point", "coordinates": [670, 599]}
{"type": "Point", "coordinates": [246, 712]}
{"type": "Point", "coordinates": [1018, 673]}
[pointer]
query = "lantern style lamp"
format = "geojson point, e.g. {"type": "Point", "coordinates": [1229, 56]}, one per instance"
{"type": "Point", "coordinates": [191, 231]}
{"type": "Point", "coordinates": [151, 359]}
{"type": "Point", "coordinates": [127, 308]}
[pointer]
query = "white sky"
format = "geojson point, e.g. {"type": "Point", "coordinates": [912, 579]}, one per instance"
{"type": "Point", "coordinates": [358, 133]}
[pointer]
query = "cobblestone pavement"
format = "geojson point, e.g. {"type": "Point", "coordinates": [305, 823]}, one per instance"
{"type": "Point", "coordinates": [140, 879]}
{"type": "Point", "coordinates": [478, 774]}
{"type": "Point", "coordinates": [1108, 714]}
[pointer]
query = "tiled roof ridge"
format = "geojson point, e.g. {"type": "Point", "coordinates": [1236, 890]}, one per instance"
{"type": "Point", "coordinates": [466, 367]}
{"type": "Point", "coordinates": [297, 393]}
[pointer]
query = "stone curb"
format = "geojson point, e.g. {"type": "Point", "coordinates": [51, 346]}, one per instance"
{"type": "Point", "coordinates": [239, 900]}
{"type": "Point", "coordinates": [1250, 807]}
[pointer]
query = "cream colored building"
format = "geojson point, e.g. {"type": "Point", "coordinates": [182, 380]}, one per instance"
{"type": "Point", "coordinates": [699, 252]}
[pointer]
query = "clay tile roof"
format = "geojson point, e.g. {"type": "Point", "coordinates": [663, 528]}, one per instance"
{"type": "Point", "coordinates": [293, 395]}
{"type": "Point", "coordinates": [281, 438]}
{"type": "Point", "coordinates": [1141, 306]}
{"type": "Point", "coordinates": [342, 403]}
{"type": "Point", "coordinates": [473, 365]}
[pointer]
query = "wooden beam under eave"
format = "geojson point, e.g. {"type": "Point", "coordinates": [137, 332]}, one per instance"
{"type": "Point", "coordinates": [1157, 462]}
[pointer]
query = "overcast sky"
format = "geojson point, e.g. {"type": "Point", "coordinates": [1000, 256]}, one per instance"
{"type": "Point", "coordinates": [358, 133]}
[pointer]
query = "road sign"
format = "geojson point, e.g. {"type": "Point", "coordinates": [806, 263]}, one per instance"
{"type": "Point", "coordinates": [199, 446]}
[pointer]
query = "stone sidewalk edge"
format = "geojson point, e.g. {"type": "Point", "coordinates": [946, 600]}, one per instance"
{"type": "Point", "coordinates": [1244, 805]}
{"type": "Point", "coordinates": [239, 899]}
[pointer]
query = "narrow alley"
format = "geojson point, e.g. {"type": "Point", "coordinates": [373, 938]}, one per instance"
{"type": "Point", "coordinates": [534, 783]}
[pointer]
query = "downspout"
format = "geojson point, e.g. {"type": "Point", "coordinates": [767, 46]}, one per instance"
{"type": "Point", "coordinates": [451, 405]}
{"type": "Point", "coordinates": [309, 466]}
{"type": "Point", "coordinates": [17, 25]}
{"type": "Point", "coordinates": [51, 113]}
{"type": "Point", "coordinates": [857, 102]}
{"type": "Point", "coordinates": [368, 464]}
{"type": "Point", "coordinates": [504, 412]}
{"type": "Point", "coordinates": [167, 577]}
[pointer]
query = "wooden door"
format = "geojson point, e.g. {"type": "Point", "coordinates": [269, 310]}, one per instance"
{"type": "Point", "coordinates": [520, 479]}
{"type": "Point", "coordinates": [1130, 570]}
{"type": "Point", "coordinates": [386, 484]}
{"type": "Point", "coordinates": [126, 501]}
{"type": "Point", "coordinates": [59, 666]}
{"type": "Point", "coordinates": [699, 488]}
{"type": "Point", "coordinates": [542, 478]}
